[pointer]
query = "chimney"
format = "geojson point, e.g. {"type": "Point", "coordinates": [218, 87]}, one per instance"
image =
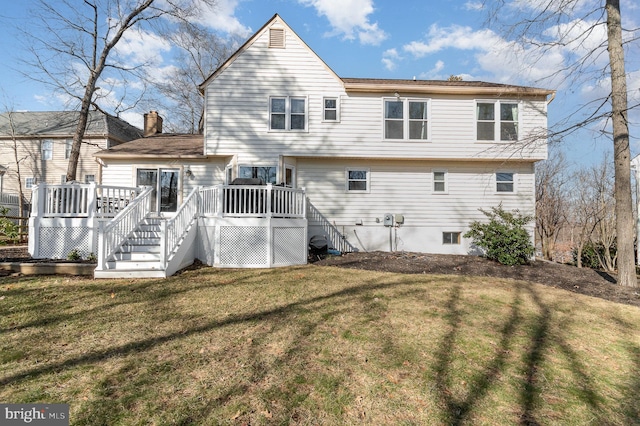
{"type": "Point", "coordinates": [152, 124]}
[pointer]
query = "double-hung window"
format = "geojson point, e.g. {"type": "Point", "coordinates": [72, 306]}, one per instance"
{"type": "Point", "coordinates": [505, 182]}
{"type": "Point", "coordinates": [406, 119]}
{"type": "Point", "coordinates": [47, 149]}
{"type": "Point", "coordinates": [497, 121]}
{"type": "Point", "coordinates": [330, 109]}
{"type": "Point", "coordinates": [68, 144]}
{"type": "Point", "coordinates": [357, 180]}
{"type": "Point", "coordinates": [440, 181]}
{"type": "Point", "coordinates": [288, 113]}
{"type": "Point", "coordinates": [29, 182]}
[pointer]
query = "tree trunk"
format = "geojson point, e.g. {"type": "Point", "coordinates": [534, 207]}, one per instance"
{"type": "Point", "coordinates": [622, 154]}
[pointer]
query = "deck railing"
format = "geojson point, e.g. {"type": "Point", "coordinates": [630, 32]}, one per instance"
{"type": "Point", "coordinates": [173, 230]}
{"type": "Point", "coordinates": [253, 201]}
{"type": "Point", "coordinates": [80, 200]}
{"type": "Point", "coordinates": [112, 235]}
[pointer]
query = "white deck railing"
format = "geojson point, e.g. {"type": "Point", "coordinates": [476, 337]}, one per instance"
{"type": "Point", "coordinates": [173, 230]}
{"type": "Point", "coordinates": [112, 235]}
{"type": "Point", "coordinates": [253, 201]}
{"type": "Point", "coordinates": [80, 200]}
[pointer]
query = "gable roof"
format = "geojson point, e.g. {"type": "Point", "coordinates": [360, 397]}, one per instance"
{"type": "Point", "coordinates": [163, 145]}
{"type": "Point", "coordinates": [275, 19]}
{"type": "Point", "coordinates": [63, 124]}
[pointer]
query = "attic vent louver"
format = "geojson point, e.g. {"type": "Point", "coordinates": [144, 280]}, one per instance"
{"type": "Point", "coordinates": [276, 37]}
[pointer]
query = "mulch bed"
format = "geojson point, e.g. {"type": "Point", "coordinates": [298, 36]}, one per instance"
{"type": "Point", "coordinates": [577, 280]}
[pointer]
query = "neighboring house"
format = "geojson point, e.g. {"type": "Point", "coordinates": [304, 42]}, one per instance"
{"type": "Point", "coordinates": [44, 141]}
{"type": "Point", "coordinates": [384, 164]}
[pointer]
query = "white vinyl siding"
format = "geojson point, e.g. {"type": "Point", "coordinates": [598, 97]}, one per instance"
{"type": "Point", "coordinates": [398, 187]}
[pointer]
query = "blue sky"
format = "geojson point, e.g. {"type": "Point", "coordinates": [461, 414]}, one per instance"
{"type": "Point", "coordinates": [381, 39]}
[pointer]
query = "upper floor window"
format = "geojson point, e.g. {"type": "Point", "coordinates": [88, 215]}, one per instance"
{"type": "Point", "coordinates": [47, 149]}
{"type": "Point", "coordinates": [89, 178]}
{"type": "Point", "coordinates": [330, 107]}
{"type": "Point", "coordinates": [497, 121]}
{"type": "Point", "coordinates": [288, 113]}
{"type": "Point", "coordinates": [357, 180]}
{"type": "Point", "coordinates": [406, 119]}
{"type": "Point", "coordinates": [504, 182]}
{"type": "Point", "coordinates": [68, 144]}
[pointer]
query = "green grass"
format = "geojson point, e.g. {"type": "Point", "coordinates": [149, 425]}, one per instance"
{"type": "Point", "coordinates": [318, 345]}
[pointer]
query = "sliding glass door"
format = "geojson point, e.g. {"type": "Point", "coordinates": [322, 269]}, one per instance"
{"type": "Point", "coordinates": [164, 182]}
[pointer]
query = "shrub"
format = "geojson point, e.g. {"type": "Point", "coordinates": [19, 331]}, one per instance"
{"type": "Point", "coordinates": [74, 255]}
{"type": "Point", "coordinates": [504, 238]}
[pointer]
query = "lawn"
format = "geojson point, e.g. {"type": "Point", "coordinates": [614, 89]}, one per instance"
{"type": "Point", "coordinates": [318, 345]}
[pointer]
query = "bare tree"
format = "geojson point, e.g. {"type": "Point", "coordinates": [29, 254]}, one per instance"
{"type": "Point", "coordinates": [554, 24]}
{"type": "Point", "coordinates": [200, 53]}
{"type": "Point", "coordinates": [13, 135]}
{"type": "Point", "coordinates": [76, 44]}
{"type": "Point", "coordinates": [604, 235]}
{"type": "Point", "coordinates": [551, 202]}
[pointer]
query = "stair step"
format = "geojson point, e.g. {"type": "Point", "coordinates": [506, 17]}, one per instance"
{"type": "Point", "coordinates": [134, 265]}
{"type": "Point", "coordinates": [129, 273]}
{"type": "Point", "coordinates": [144, 256]}
{"type": "Point", "coordinates": [133, 241]}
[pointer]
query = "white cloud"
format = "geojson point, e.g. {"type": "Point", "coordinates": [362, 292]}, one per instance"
{"type": "Point", "coordinates": [474, 5]}
{"type": "Point", "coordinates": [221, 17]}
{"type": "Point", "coordinates": [349, 18]}
{"type": "Point", "coordinates": [505, 61]}
{"type": "Point", "coordinates": [390, 58]}
{"type": "Point", "coordinates": [434, 73]}
{"type": "Point", "coordinates": [142, 47]}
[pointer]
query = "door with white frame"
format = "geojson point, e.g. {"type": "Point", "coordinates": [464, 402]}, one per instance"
{"type": "Point", "coordinates": [165, 184]}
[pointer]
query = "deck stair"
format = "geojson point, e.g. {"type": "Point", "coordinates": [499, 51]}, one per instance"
{"type": "Point", "coordinates": [139, 256]}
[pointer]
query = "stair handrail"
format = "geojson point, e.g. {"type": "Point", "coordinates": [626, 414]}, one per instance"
{"type": "Point", "coordinates": [174, 229]}
{"type": "Point", "coordinates": [112, 235]}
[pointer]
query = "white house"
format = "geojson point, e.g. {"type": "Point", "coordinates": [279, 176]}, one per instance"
{"type": "Point", "coordinates": [384, 164]}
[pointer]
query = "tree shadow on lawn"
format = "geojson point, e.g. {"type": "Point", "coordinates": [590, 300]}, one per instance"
{"type": "Point", "coordinates": [457, 409]}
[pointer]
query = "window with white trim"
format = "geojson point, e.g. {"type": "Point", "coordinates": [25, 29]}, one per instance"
{"type": "Point", "coordinates": [440, 181]}
{"type": "Point", "coordinates": [406, 119]}
{"type": "Point", "coordinates": [505, 182]}
{"type": "Point", "coordinates": [288, 113]}
{"type": "Point", "coordinates": [68, 144]}
{"type": "Point", "coordinates": [89, 178]}
{"type": "Point", "coordinates": [330, 109]}
{"type": "Point", "coordinates": [29, 182]}
{"type": "Point", "coordinates": [63, 179]}
{"type": "Point", "coordinates": [47, 149]}
{"type": "Point", "coordinates": [268, 174]}
{"type": "Point", "coordinates": [497, 121]}
{"type": "Point", "coordinates": [450, 238]}
{"type": "Point", "coordinates": [357, 180]}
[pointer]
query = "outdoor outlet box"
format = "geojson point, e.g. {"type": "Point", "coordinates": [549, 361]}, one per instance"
{"type": "Point", "coordinates": [388, 219]}
{"type": "Point", "coordinates": [399, 219]}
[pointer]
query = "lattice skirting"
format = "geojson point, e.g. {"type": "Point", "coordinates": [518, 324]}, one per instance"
{"type": "Point", "coordinates": [243, 245]}
{"type": "Point", "coordinates": [289, 246]}
{"type": "Point", "coordinates": [58, 242]}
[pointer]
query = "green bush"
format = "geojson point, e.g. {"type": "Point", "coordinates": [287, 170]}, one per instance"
{"type": "Point", "coordinates": [504, 238]}
{"type": "Point", "coordinates": [74, 255]}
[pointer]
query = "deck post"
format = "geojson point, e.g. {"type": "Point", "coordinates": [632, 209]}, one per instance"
{"type": "Point", "coordinates": [269, 199]}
